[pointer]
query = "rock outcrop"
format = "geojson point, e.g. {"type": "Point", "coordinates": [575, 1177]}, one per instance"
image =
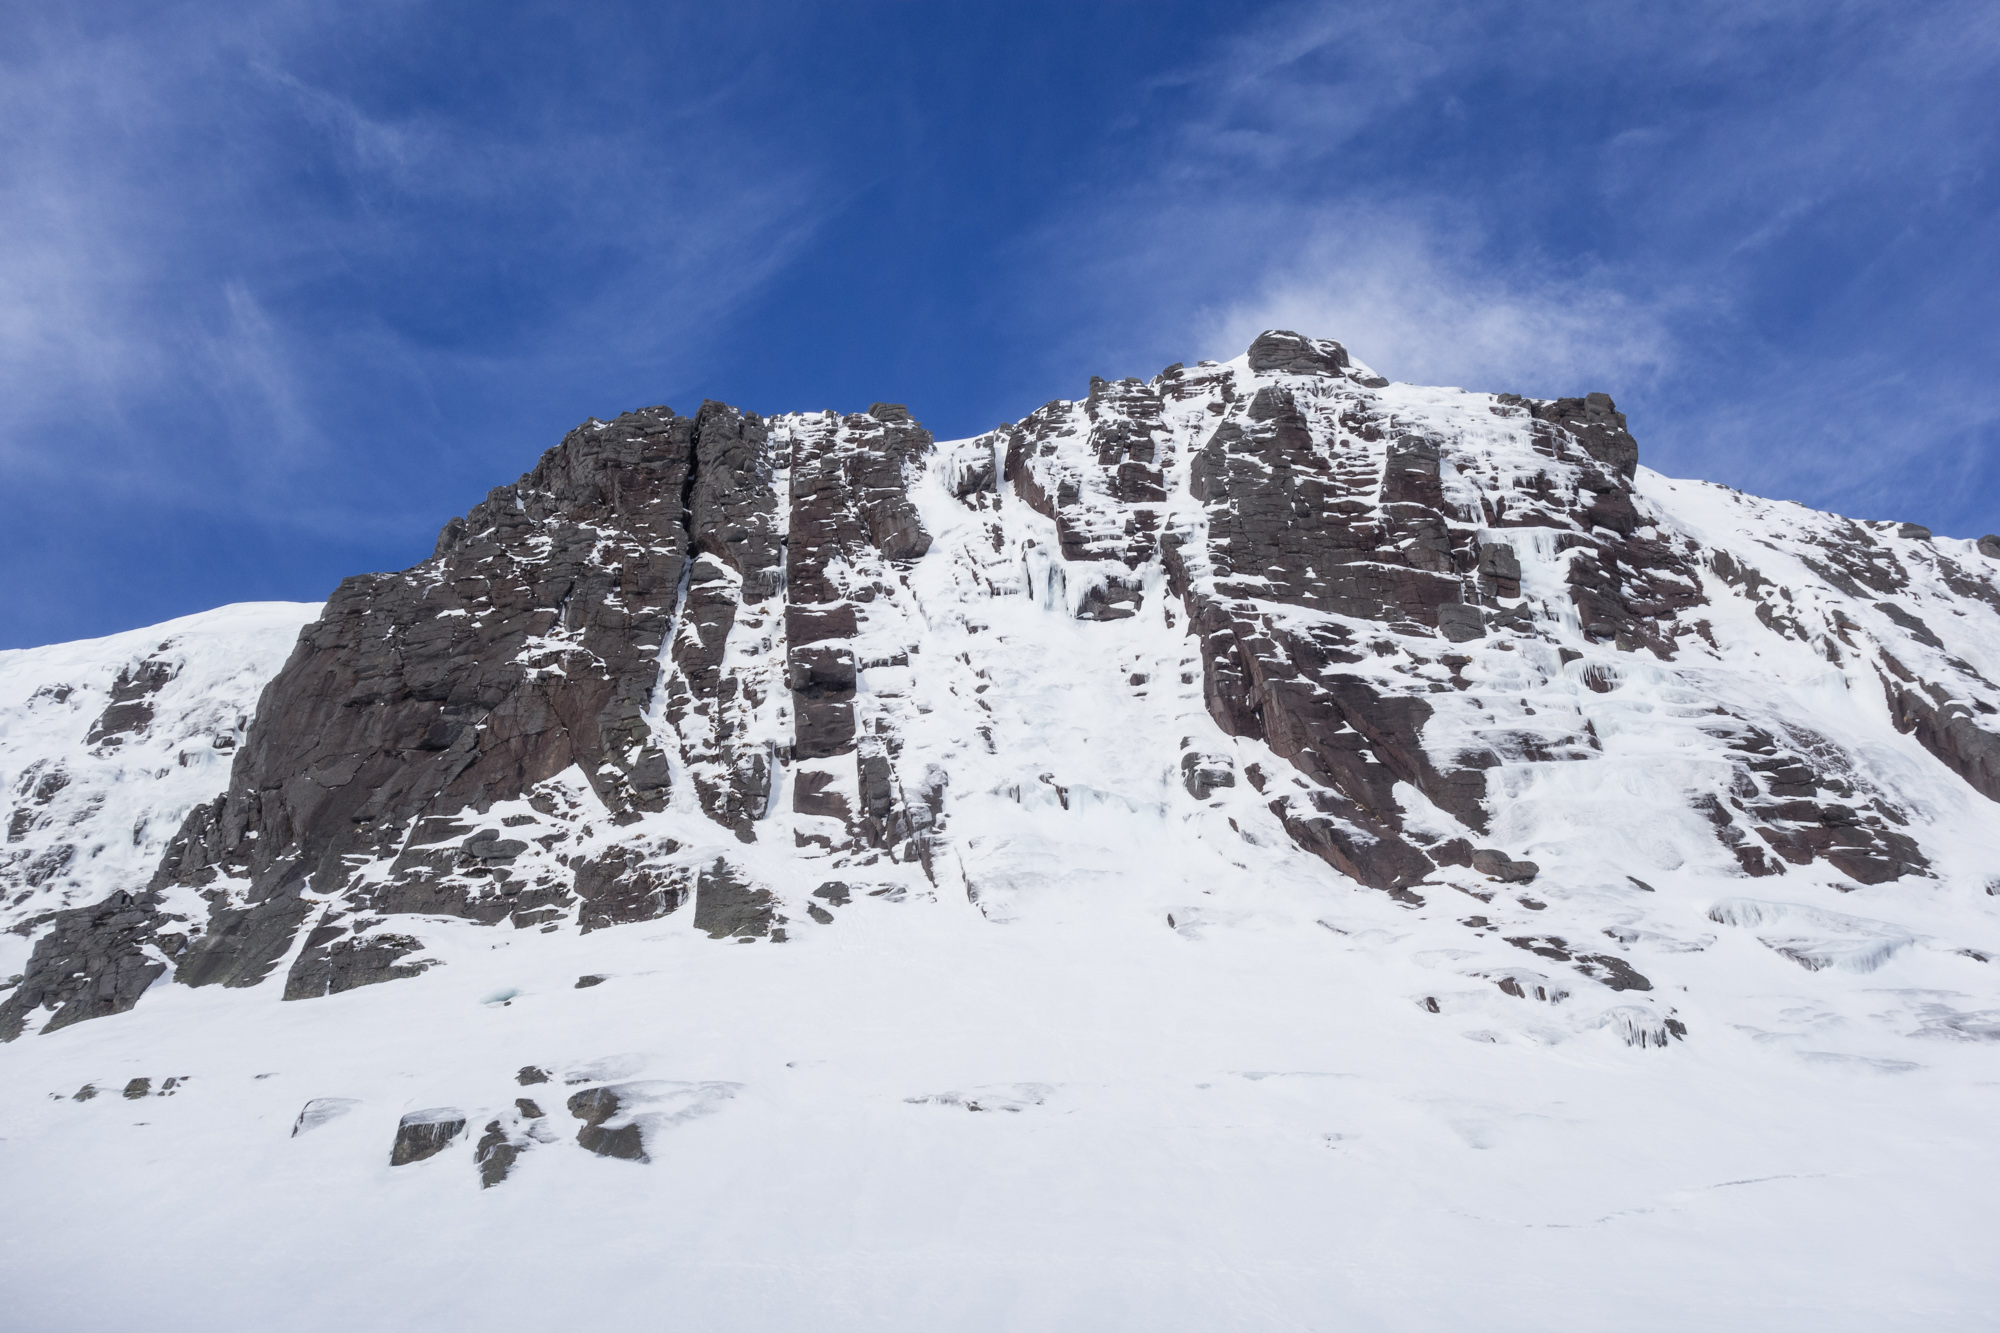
{"type": "Point", "coordinates": [711, 660]}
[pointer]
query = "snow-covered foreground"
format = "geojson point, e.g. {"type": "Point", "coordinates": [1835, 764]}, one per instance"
{"type": "Point", "coordinates": [1253, 1130]}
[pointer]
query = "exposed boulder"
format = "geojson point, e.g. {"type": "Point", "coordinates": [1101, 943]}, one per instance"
{"type": "Point", "coordinates": [1461, 622]}
{"type": "Point", "coordinates": [729, 906]}
{"type": "Point", "coordinates": [496, 1152]}
{"type": "Point", "coordinates": [597, 1108]}
{"type": "Point", "coordinates": [1284, 352]}
{"type": "Point", "coordinates": [423, 1134]}
{"type": "Point", "coordinates": [320, 1110]}
{"type": "Point", "coordinates": [630, 883]}
{"type": "Point", "coordinates": [1203, 774]}
{"type": "Point", "coordinates": [1496, 864]}
{"type": "Point", "coordinates": [333, 962]}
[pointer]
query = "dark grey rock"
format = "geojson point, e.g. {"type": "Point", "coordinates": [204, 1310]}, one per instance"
{"type": "Point", "coordinates": [1597, 426]}
{"type": "Point", "coordinates": [1777, 790]}
{"type": "Point", "coordinates": [331, 964]}
{"type": "Point", "coordinates": [495, 1154]}
{"type": "Point", "coordinates": [488, 846]}
{"type": "Point", "coordinates": [1919, 631]}
{"type": "Point", "coordinates": [728, 906]}
{"type": "Point", "coordinates": [130, 710]}
{"type": "Point", "coordinates": [815, 793]}
{"type": "Point", "coordinates": [849, 508]}
{"type": "Point", "coordinates": [93, 961]}
{"type": "Point", "coordinates": [1461, 622]}
{"type": "Point", "coordinates": [1108, 509]}
{"type": "Point", "coordinates": [531, 1074]}
{"type": "Point", "coordinates": [1496, 864]}
{"type": "Point", "coordinates": [1117, 598]}
{"type": "Point", "coordinates": [1612, 970]}
{"type": "Point", "coordinates": [391, 710]}
{"type": "Point", "coordinates": [586, 982]}
{"type": "Point", "coordinates": [1989, 546]}
{"type": "Point", "coordinates": [1500, 567]}
{"type": "Point", "coordinates": [597, 1107]}
{"type": "Point", "coordinates": [423, 1134]}
{"type": "Point", "coordinates": [1285, 352]}
{"type": "Point", "coordinates": [137, 1089]}
{"type": "Point", "coordinates": [628, 883]}
{"type": "Point", "coordinates": [1204, 774]}
{"type": "Point", "coordinates": [973, 472]}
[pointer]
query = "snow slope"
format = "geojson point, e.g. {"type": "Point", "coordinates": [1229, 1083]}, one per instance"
{"type": "Point", "coordinates": [1033, 1024]}
{"type": "Point", "coordinates": [91, 801]}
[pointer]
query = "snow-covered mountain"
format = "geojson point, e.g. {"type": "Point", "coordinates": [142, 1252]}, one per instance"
{"type": "Point", "coordinates": [1378, 856]}
{"type": "Point", "coordinates": [106, 745]}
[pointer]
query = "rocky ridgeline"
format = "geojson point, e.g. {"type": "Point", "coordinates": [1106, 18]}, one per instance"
{"type": "Point", "coordinates": [640, 676]}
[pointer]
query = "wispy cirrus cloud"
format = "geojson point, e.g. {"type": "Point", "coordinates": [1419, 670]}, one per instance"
{"type": "Point", "coordinates": [1416, 296]}
{"type": "Point", "coordinates": [1764, 227]}
{"type": "Point", "coordinates": [285, 284]}
{"type": "Point", "coordinates": [205, 223]}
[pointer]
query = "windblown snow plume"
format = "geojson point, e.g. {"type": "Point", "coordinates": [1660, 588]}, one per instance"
{"type": "Point", "coordinates": [1262, 846]}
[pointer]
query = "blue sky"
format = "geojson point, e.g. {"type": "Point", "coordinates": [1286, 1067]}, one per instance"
{"type": "Point", "coordinates": [284, 286]}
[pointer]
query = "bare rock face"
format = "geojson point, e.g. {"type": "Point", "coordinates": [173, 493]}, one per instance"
{"type": "Point", "coordinates": [1358, 533]}
{"type": "Point", "coordinates": [627, 884]}
{"type": "Point", "coordinates": [131, 706]}
{"type": "Point", "coordinates": [562, 653]}
{"type": "Point", "coordinates": [1597, 426]}
{"type": "Point", "coordinates": [528, 645]}
{"type": "Point", "coordinates": [728, 906]}
{"type": "Point", "coordinates": [1285, 352]}
{"type": "Point", "coordinates": [597, 1108]}
{"type": "Point", "coordinates": [1950, 728]}
{"type": "Point", "coordinates": [94, 961]}
{"type": "Point", "coordinates": [851, 524]}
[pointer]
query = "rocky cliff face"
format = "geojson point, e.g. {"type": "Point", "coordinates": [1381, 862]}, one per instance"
{"type": "Point", "coordinates": [1445, 643]}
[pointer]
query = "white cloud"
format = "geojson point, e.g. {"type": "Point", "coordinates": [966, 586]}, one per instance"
{"type": "Point", "coordinates": [1736, 218]}
{"type": "Point", "coordinates": [1412, 298]}
{"type": "Point", "coordinates": [181, 195]}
